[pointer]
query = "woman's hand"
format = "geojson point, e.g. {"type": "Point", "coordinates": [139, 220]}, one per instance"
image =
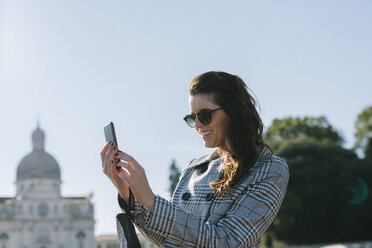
{"type": "Point", "coordinates": [109, 168]}
{"type": "Point", "coordinates": [134, 175]}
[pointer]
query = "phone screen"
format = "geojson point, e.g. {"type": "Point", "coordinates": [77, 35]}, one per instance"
{"type": "Point", "coordinates": [110, 133]}
{"type": "Point", "coordinates": [111, 136]}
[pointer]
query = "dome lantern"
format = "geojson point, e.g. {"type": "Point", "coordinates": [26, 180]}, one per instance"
{"type": "Point", "coordinates": [38, 138]}
{"type": "Point", "coordinates": [38, 164]}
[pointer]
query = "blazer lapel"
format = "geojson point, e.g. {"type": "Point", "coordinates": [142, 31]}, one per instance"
{"type": "Point", "coordinates": [199, 162]}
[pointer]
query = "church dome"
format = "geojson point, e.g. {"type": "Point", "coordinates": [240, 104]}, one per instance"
{"type": "Point", "coordinates": [38, 164]}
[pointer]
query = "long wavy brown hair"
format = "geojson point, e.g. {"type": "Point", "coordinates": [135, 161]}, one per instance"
{"type": "Point", "coordinates": [243, 141]}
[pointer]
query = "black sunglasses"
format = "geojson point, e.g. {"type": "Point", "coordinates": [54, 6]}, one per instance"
{"type": "Point", "coordinates": [204, 116]}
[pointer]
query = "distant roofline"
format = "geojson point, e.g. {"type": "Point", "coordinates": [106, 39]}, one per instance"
{"type": "Point", "coordinates": [75, 197]}
{"type": "Point", "coordinates": [4, 199]}
{"type": "Point", "coordinates": [107, 237]}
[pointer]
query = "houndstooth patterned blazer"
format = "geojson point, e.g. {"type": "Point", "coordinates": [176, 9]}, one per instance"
{"type": "Point", "coordinates": [196, 217]}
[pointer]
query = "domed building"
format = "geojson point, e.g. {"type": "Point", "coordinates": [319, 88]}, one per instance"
{"type": "Point", "coordinates": [39, 216]}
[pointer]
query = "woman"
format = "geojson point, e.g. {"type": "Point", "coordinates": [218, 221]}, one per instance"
{"type": "Point", "coordinates": [225, 199]}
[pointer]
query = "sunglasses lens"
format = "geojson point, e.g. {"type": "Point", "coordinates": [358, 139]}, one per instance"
{"type": "Point", "coordinates": [204, 116]}
{"type": "Point", "coordinates": [190, 121]}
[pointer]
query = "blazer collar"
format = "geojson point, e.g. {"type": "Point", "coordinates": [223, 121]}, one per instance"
{"type": "Point", "coordinates": [265, 154]}
{"type": "Point", "coordinates": [197, 162]}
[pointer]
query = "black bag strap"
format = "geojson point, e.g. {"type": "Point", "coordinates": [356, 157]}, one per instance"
{"type": "Point", "coordinates": [129, 206]}
{"type": "Point", "coordinates": [129, 201]}
{"type": "Point", "coordinates": [127, 225]}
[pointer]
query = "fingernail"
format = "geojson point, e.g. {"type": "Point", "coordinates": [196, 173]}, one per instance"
{"type": "Point", "coordinates": [117, 154]}
{"type": "Point", "coordinates": [112, 143]}
{"type": "Point", "coordinates": [112, 161]}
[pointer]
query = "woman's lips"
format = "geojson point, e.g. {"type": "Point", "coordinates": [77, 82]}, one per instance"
{"type": "Point", "coordinates": [205, 134]}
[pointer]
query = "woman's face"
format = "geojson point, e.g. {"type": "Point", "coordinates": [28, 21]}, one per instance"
{"type": "Point", "coordinates": [213, 133]}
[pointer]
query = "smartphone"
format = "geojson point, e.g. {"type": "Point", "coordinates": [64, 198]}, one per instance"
{"type": "Point", "coordinates": [110, 135]}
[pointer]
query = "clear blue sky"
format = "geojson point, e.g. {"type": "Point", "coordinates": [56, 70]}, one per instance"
{"type": "Point", "coordinates": [81, 64]}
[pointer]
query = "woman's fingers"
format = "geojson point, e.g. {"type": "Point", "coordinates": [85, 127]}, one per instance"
{"type": "Point", "coordinates": [118, 178]}
{"type": "Point", "coordinates": [127, 166]}
{"type": "Point", "coordinates": [128, 171]}
{"type": "Point", "coordinates": [123, 171]}
{"type": "Point", "coordinates": [104, 150]}
{"type": "Point", "coordinates": [124, 175]}
{"type": "Point", "coordinates": [108, 157]}
{"type": "Point", "coordinates": [133, 174]}
{"type": "Point", "coordinates": [111, 164]}
{"type": "Point", "coordinates": [129, 159]}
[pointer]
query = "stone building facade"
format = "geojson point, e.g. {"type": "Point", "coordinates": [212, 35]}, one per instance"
{"type": "Point", "coordinates": [38, 216]}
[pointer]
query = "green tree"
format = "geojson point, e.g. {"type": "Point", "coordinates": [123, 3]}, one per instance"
{"type": "Point", "coordinates": [174, 174]}
{"type": "Point", "coordinates": [289, 128]}
{"type": "Point", "coordinates": [363, 130]}
{"type": "Point", "coordinates": [317, 207]}
{"type": "Point", "coordinates": [368, 150]}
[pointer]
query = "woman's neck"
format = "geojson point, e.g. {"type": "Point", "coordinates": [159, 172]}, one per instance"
{"type": "Point", "coordinates": [218, 153]}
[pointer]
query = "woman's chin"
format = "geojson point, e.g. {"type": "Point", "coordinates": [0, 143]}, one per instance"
{"type": "Point", "coordinates": [209, 145]}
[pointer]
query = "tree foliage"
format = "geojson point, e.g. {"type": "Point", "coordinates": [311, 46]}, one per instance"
{"type": "Point", "coordinates": [317, 207]}
{"type": "Point", "coordinates": [368, 150]}
{"type": "Point", "coordinates": [174, 174]}
{"type": "Point", "coordinates": [363, 129]}
{"type": "Point", "coordinates": [288, 128]}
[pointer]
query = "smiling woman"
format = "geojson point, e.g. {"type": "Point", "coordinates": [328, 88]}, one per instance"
{"type": "Point", "coordinates": [211, 130]}
{"type": "Point", "coordinates": [236, 131]}
{"type": "Point", "coordinates": [224, 199]}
